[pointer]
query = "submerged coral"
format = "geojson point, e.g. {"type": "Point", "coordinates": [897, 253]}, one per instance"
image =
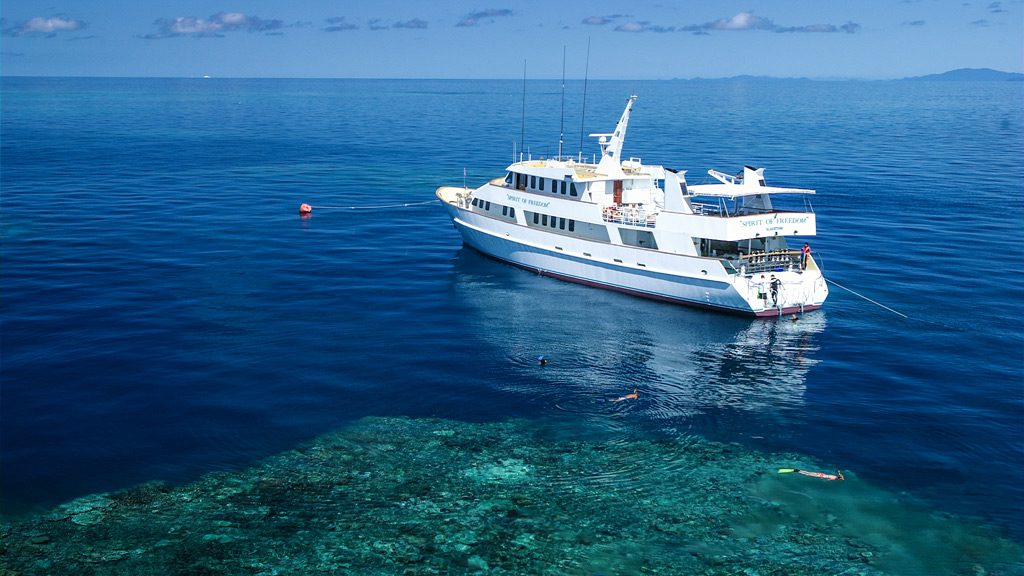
{"type": "Point", "coordinates": [414, 496]}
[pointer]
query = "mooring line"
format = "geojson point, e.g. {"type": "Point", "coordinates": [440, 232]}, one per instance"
{"type": "Point", "coordinates": [854, 292]}
{"type": "Point", "coordinates": [381, 207]}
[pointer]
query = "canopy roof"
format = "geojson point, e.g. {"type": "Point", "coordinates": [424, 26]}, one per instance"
{"type": "Point", "coordinates": [735, 191]}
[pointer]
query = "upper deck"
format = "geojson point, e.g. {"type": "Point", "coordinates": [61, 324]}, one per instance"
{"type": "Point", "coordinates": [580, 171]}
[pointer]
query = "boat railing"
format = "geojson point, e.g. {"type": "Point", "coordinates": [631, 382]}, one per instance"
{"type": "Point", "coordinates": [631, 215]}
{"type": "Point", "coordinates": [751, 211]}
{"type": "Point", "coordinates": [705, 209]}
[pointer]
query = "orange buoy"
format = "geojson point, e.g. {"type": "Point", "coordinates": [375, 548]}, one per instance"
{"type": "Point", "coordinates": [305, 209]}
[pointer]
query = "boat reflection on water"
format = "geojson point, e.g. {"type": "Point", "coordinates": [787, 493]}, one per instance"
{"type": "Point", "coordinates": [601, 345]}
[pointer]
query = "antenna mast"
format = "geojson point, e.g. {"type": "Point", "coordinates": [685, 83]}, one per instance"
{"type": "Point", "coordinates": [522, 129]}
{"type": "Point", "coordinates": [561, 122]}
{"type": "Point", "coordinates": [584, 114]}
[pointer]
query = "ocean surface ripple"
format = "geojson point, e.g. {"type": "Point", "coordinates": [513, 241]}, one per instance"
{"type": "Point", "coordinates": [166, 313]}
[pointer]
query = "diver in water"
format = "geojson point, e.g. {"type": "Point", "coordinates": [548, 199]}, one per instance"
{"type": "Point", "coordinates": [634, 396]}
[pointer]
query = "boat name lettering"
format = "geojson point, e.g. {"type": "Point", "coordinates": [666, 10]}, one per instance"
{"type": "Point", "coordinates": [775, 221]}
{"type": "Point", "coordinates": [528, 201]}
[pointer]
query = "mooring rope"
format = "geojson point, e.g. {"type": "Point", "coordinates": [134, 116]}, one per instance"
{"type": "Point", "coordinates": [380, 207]}
{"type": "Point", "coordinates": [855, 293]}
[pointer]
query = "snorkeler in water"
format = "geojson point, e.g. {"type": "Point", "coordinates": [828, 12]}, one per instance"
{"type": "Point", "coordinates": [635, 395]}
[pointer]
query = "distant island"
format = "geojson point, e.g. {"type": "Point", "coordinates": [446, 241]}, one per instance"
{"type": "Point", "coordinates": [971, 74]}
{"type": "Point", "coordinates": [959, 75]}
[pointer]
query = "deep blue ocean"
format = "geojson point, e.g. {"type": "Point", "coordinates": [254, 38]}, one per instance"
{"type": "Point", "coordinates": [166, 313]}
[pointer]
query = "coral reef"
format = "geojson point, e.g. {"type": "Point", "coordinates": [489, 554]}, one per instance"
{"type": "Point", "coordinates": [422, 496]}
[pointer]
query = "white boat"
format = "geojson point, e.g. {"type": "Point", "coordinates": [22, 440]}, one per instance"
{"type": "Point", "coordinates": [640, 229]}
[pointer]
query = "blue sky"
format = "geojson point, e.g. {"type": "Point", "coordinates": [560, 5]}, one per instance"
{"type": "Point", "coordinates": [481, 39]}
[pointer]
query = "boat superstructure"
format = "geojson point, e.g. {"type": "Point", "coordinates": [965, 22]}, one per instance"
{"type": "Point", "coordinates": [640, 229]}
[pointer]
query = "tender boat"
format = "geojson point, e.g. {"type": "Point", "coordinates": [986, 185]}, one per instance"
{"type": "Point", "coordinates": [640, 229]}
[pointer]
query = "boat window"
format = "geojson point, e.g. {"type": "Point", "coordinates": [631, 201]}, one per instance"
{"type": "Point", "coordinates": [541, 184]}
{"type": "Point", "coordinates": [512, 212]}
{"type": "Point", "coordinates": [561, 223]}
{"type": "Point", "coordinates": [474, 201]}
{"type": "Point", "coordinates": [563, 187]}
{"type": "Point", "coordinates": [544, 220]}
{"type": "Point", "coordinates": [554, 222]}
{"type": "Point", "coordinates": [536, 218]}
{"type": "Point", "coordinates": [504, 210]}
{"type": "Point", "coordinates": [508, 178]}
{"type": "Point", "coordinates": [572, 189]}
{"type": "Point", "coordinates": [572, 225]}
{"type": "Point", "coordinates": [533, 182]}
{"type": "Point", "coordinates": [488, 207]}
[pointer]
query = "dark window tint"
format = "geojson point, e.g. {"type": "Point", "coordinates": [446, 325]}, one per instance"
{"type": "Point", "coordinates": [533, 181]}
{"type": "Point", "coordinates": [572, 189]}
{"type": "Point", "coordinates": [544, 219]}
{"type": "Point", "coordinates": [504, 210]}
{"type": "Point", "coordinates": [488, 207]}
{"type": "Point", "coordinates": [541, 184]}
{"type": "Point", "coordinates": [512, 212]}
{"type": "Point", "coordinates": [572, 225]}
{"type": "Point", "coordinates": [561, 223]}
{"type": "Point", "coordinates": [536, 218]}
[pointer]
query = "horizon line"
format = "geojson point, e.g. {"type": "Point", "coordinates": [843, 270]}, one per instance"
{"type": "Point", "coordinates": [673, 79]}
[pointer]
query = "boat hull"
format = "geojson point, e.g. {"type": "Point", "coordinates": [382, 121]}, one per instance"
{"type": "Point", "coordinates": [767, 313]}
{"type": "Point", "coordinates": [697, 282]}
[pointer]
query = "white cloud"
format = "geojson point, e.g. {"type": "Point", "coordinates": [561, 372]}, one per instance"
{"type": "Point", "coordinates": [602, 20]}
{"type": "Point", "coordinates": [741, 21]}
{"type": "Point", "coordinates": [338, 24]}
{"type": "Point", "coordinates": [42, 26]}
{"type": "Point", "coordinates": [474, 18]}
{"type": "Point", "coordinates": [744, 21]}
{"type": "Point", "coordinates": [415, 24]}
{"type": "Point", "coordinates": [643, 27]}
{"type": "Point", "coordinates": [214, 26]}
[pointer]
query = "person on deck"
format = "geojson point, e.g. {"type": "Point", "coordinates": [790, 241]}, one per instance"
{"type": "Point", "coordinates": [774, 285]}
{"type": "Point", "coordinates": [805, 255]}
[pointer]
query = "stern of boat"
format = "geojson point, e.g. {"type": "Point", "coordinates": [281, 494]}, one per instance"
{"type": "Point", "coordinates": [799, 290]}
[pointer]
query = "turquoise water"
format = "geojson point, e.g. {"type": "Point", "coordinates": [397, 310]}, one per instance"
{"type": "Point", "coordinates": [167, 315]}
{"type": "Point", "coordinates": [429, 496]}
